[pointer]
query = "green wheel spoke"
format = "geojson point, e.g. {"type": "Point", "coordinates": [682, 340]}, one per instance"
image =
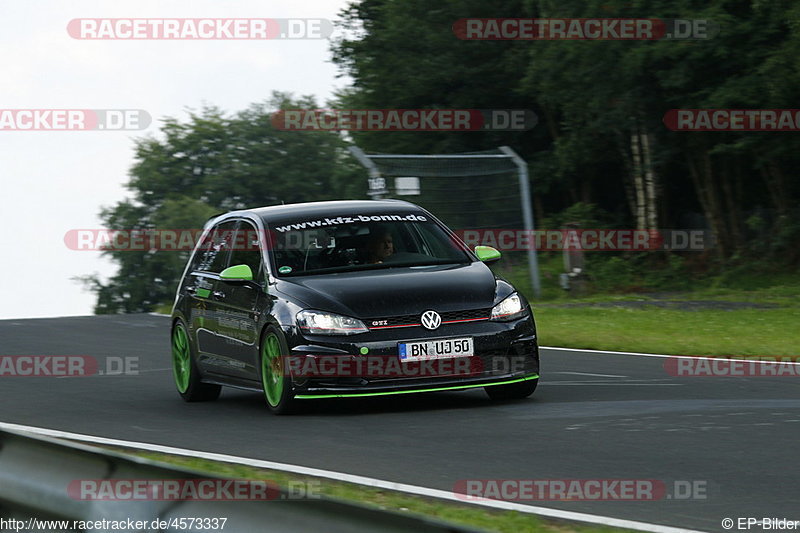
{"type": "Point", "coordinates": [271, 371]}
{"type": "Point", "coordinates": [181, 358]}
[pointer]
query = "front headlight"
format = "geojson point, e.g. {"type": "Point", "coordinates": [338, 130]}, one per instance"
{"type": "Point", "coordinates": [319, 323]}
{"type": "Point", "coordinates": [509, 309]}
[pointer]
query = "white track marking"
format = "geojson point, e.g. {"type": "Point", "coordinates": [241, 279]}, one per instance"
{"type": "Point", "coordinates": [640, 354]}
{"type": "Point", "coordinates": [608, 383]}
{"type": "Point", "coordinates": [590, 374]}
{"type": "Point", "coordinates": [350, 478]}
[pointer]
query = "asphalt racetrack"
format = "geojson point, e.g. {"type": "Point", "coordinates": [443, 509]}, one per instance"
{"type": "Point", "coordinates": [594, 416]}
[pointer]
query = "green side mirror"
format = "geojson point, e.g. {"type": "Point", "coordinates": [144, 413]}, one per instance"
{"type": "Point", "coordinates": [487, 254]}
{"type": "Point", "coordinates": [237, 273]}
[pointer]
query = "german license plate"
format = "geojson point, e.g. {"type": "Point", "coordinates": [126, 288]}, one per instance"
{"type": "Point", "coordinates": [435, 349]}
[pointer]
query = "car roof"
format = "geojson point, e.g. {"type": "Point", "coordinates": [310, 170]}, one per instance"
{"type": "Point", "coordinates": [331, 208]}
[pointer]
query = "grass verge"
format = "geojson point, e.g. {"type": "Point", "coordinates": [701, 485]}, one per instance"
{"type": "Point", "coordinates": [762, 332]}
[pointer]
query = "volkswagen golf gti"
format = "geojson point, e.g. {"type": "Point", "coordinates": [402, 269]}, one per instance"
{"type": "Point", "coordinates": [346, 299]}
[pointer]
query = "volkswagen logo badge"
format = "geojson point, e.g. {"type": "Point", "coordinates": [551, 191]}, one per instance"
{"type": "Point", "coordinates": [431, 319]}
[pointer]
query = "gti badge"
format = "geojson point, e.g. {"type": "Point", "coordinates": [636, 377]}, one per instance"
{"type": "Point", "coordinates": [431, 319]}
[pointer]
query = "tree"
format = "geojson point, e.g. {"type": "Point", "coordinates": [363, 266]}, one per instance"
{"type": "Point", "coordinates": [210, 164]}
{"type": "Point", "coordinates": [601, 139]}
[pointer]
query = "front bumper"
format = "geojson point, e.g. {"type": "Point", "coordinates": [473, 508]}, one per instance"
{"type": "Point", "coordinates": [428, 387]}
{"type": "Point", "coordinates": [505, 353]}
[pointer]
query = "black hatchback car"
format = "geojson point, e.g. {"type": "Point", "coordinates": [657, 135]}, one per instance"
{"type": "Point", "coordinates": [346, 299]}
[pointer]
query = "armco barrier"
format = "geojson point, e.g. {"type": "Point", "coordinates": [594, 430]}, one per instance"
{"type": "Point", "coordinates": [35, 473]}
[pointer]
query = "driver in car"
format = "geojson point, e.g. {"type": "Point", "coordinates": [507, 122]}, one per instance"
{"type": "Point", "coordinates": [380, 246]}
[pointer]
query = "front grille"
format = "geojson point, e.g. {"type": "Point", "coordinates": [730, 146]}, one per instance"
{"type": "Point", "coordinates": [466, 315]}
{"type": "Point", "coordinates": [414, 320]}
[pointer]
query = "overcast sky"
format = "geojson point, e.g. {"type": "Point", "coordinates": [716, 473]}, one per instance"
{"type": "Point", "coordinates": [56, 181]}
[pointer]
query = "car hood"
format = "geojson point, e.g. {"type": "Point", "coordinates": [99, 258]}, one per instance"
{"type": "Point", "coordinates": [396, 291]}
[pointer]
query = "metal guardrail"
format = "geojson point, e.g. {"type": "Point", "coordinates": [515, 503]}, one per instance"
{"type": "Point", "coordinates": [35, 473]}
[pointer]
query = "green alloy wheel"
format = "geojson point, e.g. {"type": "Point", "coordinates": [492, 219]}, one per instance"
{"type": "Point", "coordinates": [277, 387]}
{"type": "Point", "coordinates": [180, 358]}
{"type": "Point", "coordinates": [184, 369]}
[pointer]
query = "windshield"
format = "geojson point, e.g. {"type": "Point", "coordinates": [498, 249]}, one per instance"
{"type": "Point", "coordinates": [346, 243]}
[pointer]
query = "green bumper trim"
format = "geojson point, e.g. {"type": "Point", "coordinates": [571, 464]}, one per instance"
{"type": "Point", "coordinates": [455, 387]}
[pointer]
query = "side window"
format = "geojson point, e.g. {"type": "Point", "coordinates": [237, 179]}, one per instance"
{"type": "Point", "coordinates": [246, 250]}
{"type": "Point", "coordinates": [200, 255]}
{"type": "Point", "coordinates": [213, 252]}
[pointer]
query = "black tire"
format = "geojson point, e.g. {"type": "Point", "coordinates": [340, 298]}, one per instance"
{"type": "Point", "coordinates": [185, 371]}
{"type": "Point", "coordinates": [275, 384]}
{"type": "Point", "coordinates": [512, 391]}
